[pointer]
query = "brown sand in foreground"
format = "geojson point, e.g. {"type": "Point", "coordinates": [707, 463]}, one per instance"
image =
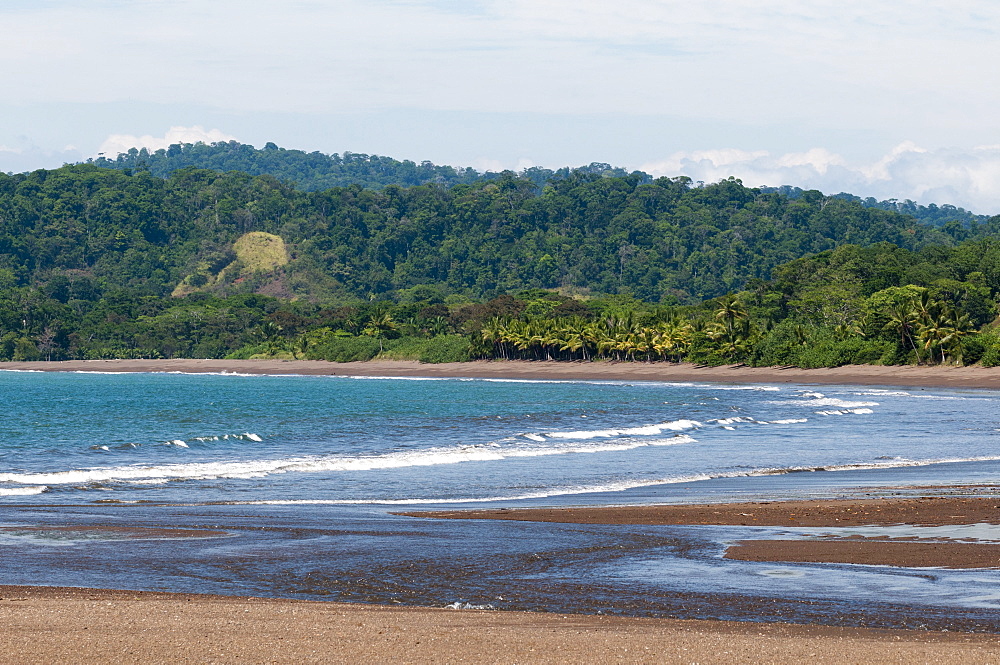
{"type": "Point", "coordinates": [53, 625]}
{"type": "Point", "coordinates": [951, 377]}
{"type": "Point", "coordinates": [925, 511]}
{"type": "Point", "coordinates": [917, 554]}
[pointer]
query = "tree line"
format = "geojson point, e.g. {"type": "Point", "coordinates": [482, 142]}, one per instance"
{"type": "Point", "coordinates": [590, 266]}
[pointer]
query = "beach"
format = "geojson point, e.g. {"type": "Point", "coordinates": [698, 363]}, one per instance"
{"type": "Point", "coordinates": [58, 624]}
{"type": "Point", "coordinates": [869, 375]}
{"type": "Point", "coordinates": [906, 551]}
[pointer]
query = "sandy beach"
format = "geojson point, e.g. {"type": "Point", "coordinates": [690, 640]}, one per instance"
{"type": "Point", "coordinates": [56, 625]}
{"type": "Point", "coordinates": [50, 624]}
{"type": "Point", "coordinates": [913, 376]}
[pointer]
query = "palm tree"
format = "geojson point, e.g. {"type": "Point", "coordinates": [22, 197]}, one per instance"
{"type": "Point", "coordinates": [934, 332]}
{"type": "Point", "coordinates": [730, 310]}
{"type": "Point", "coordinates": [380, 326]}
{"type": "Point", "coordinates": [959, 326]}
{"type": "Point", "coordinates": [904, 319]}
{"type": "Point", "coordinates": [674, 338]}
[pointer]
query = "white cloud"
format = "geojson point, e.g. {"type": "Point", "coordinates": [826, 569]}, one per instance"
{"type": "Point", "coordinates": [854, 76]}
{"type": "Point", "coordinates": [966, 178]}
{"type": "Point", "coordinates": [117, 143]}
{"type": "Point", "coordinates": [888, 64]}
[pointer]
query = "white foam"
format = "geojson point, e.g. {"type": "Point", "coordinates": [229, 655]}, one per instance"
{"type": "Point", "coordinates": [556, 491]}
{"type": "Point", "coordinates": [845, 412]}
{"type": "Point", "coordinates": [22, 491]}
{"type": "Point", "coordinates": [246, 436]}
{"type": "Point", "coordinates": [396, 460]}
{"type": "Point", "coordinates": [787, 421]}
{"type": "Point", "coordinates": [766, 389]}
{"type": "Point", "coordinates": [593, 382]}
{"type": "Point", "coordinates": [732, 421]}
{"type": "Point", "coordinates": [616, 486]}
{"type": "Point", "coordinates": [468, 606]}
{"type": "Point", "coordinates": [642, 430]}
{"type": "Point", "coordinates": [826, 401]}
{"type": "Point", "coordinates": [178, 443]}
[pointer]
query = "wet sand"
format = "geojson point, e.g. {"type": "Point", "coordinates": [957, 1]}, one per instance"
{"type": "Point", "coordinates": [870, 552]}
{"type": "Point", "coordinates": [924, 511]}
{"type": "Point", "coordinates": [912, 376]}
{"type": "Point", "coordinates": [55, 625]}
{"type": "Point", "coordinates": [920, 511]}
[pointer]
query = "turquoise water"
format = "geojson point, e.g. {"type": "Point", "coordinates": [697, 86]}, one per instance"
{"type": "Point", "coordinates": [69, 437]}
{"type": "Point", "coordinates": [302, 474]}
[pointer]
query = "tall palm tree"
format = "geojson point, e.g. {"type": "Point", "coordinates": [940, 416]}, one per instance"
{"type": "Point", "coordinates": [934, 333]}
{"type": "Point", "coordinates": [380, 326]}
{"type": "Point", "coordinates": [904, 319]}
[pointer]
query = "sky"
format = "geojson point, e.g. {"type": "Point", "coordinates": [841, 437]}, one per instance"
{"type": "Point", "coordinates": [880, 98]}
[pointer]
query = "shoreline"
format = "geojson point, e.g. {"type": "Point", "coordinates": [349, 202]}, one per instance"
{"type": "Point", "coordinates": [903, 375]}
{"type": "Point", "coordinates": [53, 624]}
{"type": "Point", "coordinates": [906, 551]}
{"type": "Point", "coordinates": [889, 511]}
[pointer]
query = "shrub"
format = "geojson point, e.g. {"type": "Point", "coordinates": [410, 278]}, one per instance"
{"type": "Point", "coordinates": [244, 352]}
{"type": "Point", "coordinates": [851, 351]}
{"type": "Point", "coordinates": [345, 349]}
{"type": "Point", "coordinates": [990, 345]}
{"type": "Point", "coordinates": [446, 349]}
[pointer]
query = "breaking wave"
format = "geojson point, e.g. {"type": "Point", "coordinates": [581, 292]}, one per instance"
{"type": "Point", "coordinates": [22, 491]}
{"type": "Point", "coordinates": [642, 430]}
{"type": "Point", "coordinates": [262, 468]}
{"type": "Point", "coordinates": [621, 486]}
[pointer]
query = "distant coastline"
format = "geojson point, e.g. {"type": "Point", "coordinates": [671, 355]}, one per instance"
{"type": "Point", "coordinates": [897, 375]}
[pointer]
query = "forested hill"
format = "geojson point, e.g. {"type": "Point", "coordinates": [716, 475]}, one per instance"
{"type": "Point", "coordinates": [662, 241]}
{"type": "Point", "coordinates": [932, 214]}
{"type": "Point", "coordinates": [315, 171]}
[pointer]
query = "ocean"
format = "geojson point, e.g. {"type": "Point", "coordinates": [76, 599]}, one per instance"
{"type": "Point", "coordinates": [288, 486]}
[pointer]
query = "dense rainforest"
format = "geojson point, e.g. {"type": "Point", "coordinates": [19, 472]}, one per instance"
{"type": "Point", "coordinates": [314, 171]}
{"type": "Point", "coordinates": [120, 262]}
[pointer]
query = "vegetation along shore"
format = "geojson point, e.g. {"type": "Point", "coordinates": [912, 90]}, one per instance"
{"type": "Point", "coordinates": [360, 257]}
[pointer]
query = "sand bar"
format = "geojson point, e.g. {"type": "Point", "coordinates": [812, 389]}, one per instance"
{"type": "Point", "coordinates": [921, 511]}
{"type": "Point", "coordinates": [56, 625]}
{"type": "Point", "coordinates": [870, 552]}
{"type": "Point", "coordinates": [926, 511]}
{"type": "Point", "coordinates": [913, 376]}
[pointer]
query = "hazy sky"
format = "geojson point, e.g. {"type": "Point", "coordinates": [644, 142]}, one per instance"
{"type": "Point", "coordinates": [883, 98]}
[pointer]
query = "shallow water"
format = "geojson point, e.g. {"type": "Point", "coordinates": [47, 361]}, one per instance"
{"type": "Point", "coordinates": [301, 474]}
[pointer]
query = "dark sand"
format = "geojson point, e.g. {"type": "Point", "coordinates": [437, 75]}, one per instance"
{"type": "Point", "coordinates": [943, 377]}
{"type": "Point", "coordinates": [54, 625]}
{"type": "Point", "coordinates": [924, 511]}
{"type": "Point", "coordinates": [871, 552]}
